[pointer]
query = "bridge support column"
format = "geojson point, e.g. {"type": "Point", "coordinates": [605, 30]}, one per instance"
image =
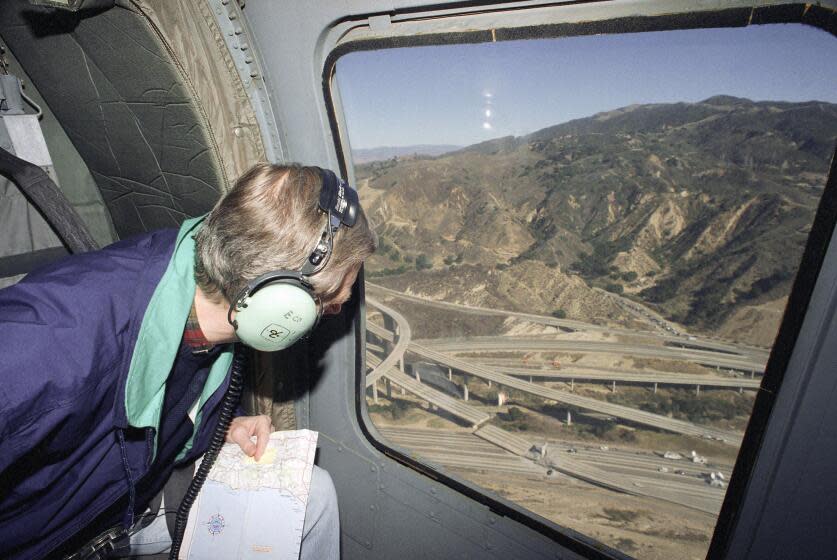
{"type": "Point", "coordinates": [655, 387]}
{"type": "Point", "coordinates": [450, 374]}
{"type": "Point", "coordinates": [569, 419]}
{"type": "Point", "coordinates": [501, 398]}
{"type": "Point", "coordinates": [530, 379]}
{"type": "Point", "coordinates": [741, 390]}
{"type": "Point", "coordinates": [390, 325]}
{"type": "Point", "coordinates": [375, 392]}
{"type": "Point", "coordinates": [416, 373]}
{"type": "Point", "coordinates": [613, 389]}
{"type": "Point", "coordinates": [388, 385]}
{"type": "Point", "coordinates": [752, 374]}
{"type": "Point", "coordinates": [403, 391]}
{"type": "Point", "coordinates": [697, 390]}
{"type": "Point", "coordinates": [465, 392]}
{"type": "Point", "coordinates": [572, 385]}
{"type": "Point", "coordinates": [489, 383]}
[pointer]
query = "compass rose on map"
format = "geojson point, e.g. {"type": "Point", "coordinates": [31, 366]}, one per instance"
{"type": "Point", "coordinates": [215, 524]}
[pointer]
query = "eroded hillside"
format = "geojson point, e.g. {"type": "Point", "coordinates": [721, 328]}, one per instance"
{"type": "Point", "coordinates": [699, 210]}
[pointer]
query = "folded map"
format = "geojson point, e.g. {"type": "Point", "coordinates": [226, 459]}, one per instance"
{"type": "Point", "coordinates": [249, 509]}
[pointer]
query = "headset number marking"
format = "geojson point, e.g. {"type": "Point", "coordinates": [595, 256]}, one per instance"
{"type": "Point", "coordinates": [293, 317]}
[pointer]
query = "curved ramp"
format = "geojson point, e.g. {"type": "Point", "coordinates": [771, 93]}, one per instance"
{"type": "Point", "coordinates": [404, 337]}
{"type": "Point", "coordinates": [446, 402]}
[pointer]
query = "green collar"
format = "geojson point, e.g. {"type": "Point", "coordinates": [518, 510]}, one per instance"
{"type": "Point", "coordinates": [159, 339]}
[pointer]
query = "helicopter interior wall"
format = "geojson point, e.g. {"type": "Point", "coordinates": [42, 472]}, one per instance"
{"type": "Point", "coordinates": [786, 508]}
{"type": "Point", "coordinates": [122, 100]}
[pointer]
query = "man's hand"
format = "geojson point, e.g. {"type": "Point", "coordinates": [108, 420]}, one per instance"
{"type": "Point", "coordinates": [244, 427]}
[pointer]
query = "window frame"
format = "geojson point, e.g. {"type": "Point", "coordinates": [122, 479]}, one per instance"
{"type": "Point", "coordinates": [807, 274]}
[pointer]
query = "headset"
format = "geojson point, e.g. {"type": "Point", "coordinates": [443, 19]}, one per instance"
{"type": "Point", "coordinates": [278, 308]}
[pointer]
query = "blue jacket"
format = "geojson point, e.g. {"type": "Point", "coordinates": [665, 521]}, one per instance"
{"type": "Point", "coordinates": [86, 347]}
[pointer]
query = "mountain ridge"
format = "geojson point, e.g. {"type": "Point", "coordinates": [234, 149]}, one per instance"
{"type": "Point", "coordinates": [692, 208]}
{"type": "Point", "coordinates": [380, 153]}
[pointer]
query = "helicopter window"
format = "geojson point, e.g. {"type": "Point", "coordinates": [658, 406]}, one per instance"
{"type": "Point", "coordinates": [586, 248]}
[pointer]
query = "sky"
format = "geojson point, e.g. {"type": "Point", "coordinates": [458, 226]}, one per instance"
{"type": "Point", "coordinates": [464, 94]}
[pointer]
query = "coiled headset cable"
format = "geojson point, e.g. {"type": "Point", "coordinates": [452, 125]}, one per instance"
{"type": "Point", "coordinates": [228, 406]}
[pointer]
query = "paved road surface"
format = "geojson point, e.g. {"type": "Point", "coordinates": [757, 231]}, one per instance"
{"type": "Point", "coordinates": [625, 471]}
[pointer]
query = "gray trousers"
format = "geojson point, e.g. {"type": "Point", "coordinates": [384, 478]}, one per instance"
{"type": "Point", "coordinates": [320, 533]}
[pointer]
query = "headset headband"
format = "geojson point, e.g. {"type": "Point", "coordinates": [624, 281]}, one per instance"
{"type": "Point", "coordinates": [338, 199]}
{"type": "Point", "coordinates": [340, 202]}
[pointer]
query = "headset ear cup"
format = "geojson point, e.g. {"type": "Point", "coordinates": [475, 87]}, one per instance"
{"type": "Point", "coordinates": [276, 316]}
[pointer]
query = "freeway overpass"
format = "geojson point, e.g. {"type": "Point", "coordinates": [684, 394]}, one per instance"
{"type": "Point", "coordinates": [632, 377]}
{"type": "Point", "coordinates": [539, 344]}
{"type": "Point", "coordinates": [618, 411]}
{"type": "Point", "coordinates": [453, 406]}
{"type": "Point", "coordinates": [757, 354]}
{"type": "Point", "coordinates": [623, 474]}
{"type": "Point", "coordinates": [397, 353]}
{"type": "Point", "coordinates": [620, 472]}
{"type": "Point", "coordinates": [703, 499]}
{"type": "Point", "coordinates": [587, 403]}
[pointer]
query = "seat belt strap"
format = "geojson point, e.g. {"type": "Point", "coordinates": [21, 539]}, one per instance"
{"type": "Point", "coordinates": [174, 491]}
{"type": "Point", "coordinates": [48, 199]}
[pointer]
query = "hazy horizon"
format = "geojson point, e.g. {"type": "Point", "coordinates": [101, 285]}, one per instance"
{"type": "Point", "coordinates": [486, 91]}
{"type": "Point", "coordinates": [412, 146]}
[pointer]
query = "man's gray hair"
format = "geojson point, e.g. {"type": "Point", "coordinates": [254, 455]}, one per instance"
{"type": "Point", "coordinates": [270, 220]}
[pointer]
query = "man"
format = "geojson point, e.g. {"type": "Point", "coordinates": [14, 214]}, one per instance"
{"type": "Point", "coordinates": [103, 355]}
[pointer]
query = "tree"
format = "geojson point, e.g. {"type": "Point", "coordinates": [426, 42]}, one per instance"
{"type": "Point", "coordinates": [614, 288]}
{"type": "Point", "coordinates": [629, 276]}
{"type": "Point", "coordinates": [515, 414]}
{"type": "Point", "coordinates": [422, 262]}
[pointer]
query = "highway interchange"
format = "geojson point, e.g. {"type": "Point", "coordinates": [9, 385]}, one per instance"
{"type": "Point", "coordinates": [629, 472]}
